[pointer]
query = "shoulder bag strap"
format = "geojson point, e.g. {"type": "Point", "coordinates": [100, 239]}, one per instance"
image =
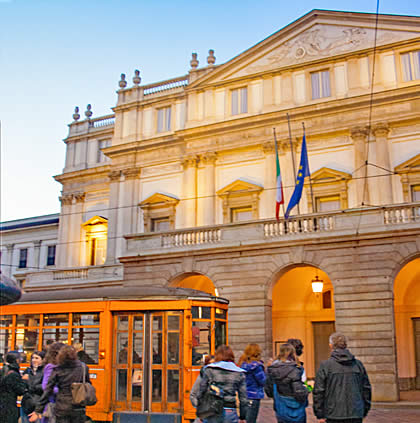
{"type": "Point", "coordinates": [84, 372]}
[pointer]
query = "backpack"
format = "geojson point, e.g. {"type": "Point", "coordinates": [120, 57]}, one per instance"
{"type": "Point", "coordinates": [288, 409]}
{"type": "Point", "coordinates": [83, 393]}
{"type": "Point", "coordinates": [211, 403]}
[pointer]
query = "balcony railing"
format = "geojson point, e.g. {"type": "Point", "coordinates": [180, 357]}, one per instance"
{"type": "Point", "coordinates": [337, 223]}
{"type": "Point", "coordinates": [170, 84]}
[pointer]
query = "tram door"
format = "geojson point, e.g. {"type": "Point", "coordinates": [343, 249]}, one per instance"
{"type": "Point", "coordinates": [147, 371]}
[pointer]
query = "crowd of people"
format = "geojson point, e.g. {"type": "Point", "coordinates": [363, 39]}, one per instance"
{"type": "Point", "coordinates": [45, 386]}
{"type": "Point", "coordinates": [341, 392]}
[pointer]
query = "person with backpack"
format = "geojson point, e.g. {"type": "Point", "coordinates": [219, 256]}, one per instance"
{"type": "Point", "coordinates": [68, 371]}
{"type": "Point", "coordinates": [225, 379]}
{"type": "Point", "coordinates": [342, 391]}
{"type": "Point", "coordinates": [33, 376]}
{"type": "Point", "coordinates": [251, 362]}
{"type": "Point", "coordinates": [284, 384]}
{"type": "Point", "coordinates": [11, 386]}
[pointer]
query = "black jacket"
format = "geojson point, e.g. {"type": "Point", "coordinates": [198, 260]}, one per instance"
{"type": "Point", "coordinates": [62, 377]}
{"type": "Point", "coordinates": [35, 380]}
{"type": "Point", "coordinates": [288, 378]}
{"type": "Point", "coordinates": [11, 386]}
{"type": "Point", "coordinates": [342, 388]}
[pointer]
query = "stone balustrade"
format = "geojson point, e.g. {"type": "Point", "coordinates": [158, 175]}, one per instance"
{"type": "Point", "coordinates": [103, 121]}
{"type": "Point", "coordinates": [337, 223]}
{"type": "Point", "coordinates": [165, 85]}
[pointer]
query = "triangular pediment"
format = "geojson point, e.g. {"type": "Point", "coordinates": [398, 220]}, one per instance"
{"type": "Point", "coordinates": [159, 198]}
{"type": "Point", "coordinates": [238, 187]}
{"type": "Point", "coordinates": [319, 34]}
{"type": "Point", "coordinates": [411, 165]}
{"type": "Point", "coordinates": [328, 175]}
{"type": "Point", "coordinates": [96, 220]}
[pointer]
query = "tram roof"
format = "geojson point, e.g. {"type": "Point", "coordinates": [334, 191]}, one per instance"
{"type": "Point", "coordinates": [145, 292]}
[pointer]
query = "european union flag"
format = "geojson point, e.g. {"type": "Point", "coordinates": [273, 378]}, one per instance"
{"type": "Point", "coordinates": [302, 172]}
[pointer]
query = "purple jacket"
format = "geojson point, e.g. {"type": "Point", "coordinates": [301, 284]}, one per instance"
{"type": "Point", "coordinates": [47, 373]}
{"type": "Point", "coordinates": [255, 379]}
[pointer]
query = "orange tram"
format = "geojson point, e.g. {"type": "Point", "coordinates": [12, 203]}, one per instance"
{"type": "Point", "coordinates": [144, 345]}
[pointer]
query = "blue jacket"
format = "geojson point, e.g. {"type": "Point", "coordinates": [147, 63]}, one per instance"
{"type": "Point", "coordinates": [255, 379]}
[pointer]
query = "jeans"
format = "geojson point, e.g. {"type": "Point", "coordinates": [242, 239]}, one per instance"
{"type": "Point", "coordinates": [252, 409]}
{"type": "Point", "coordinates": [229, 416]}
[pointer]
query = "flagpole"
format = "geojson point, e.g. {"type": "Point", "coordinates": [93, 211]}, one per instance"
{"type": "Point", "coordinates": [277, 154]}
{"type": "Point", "coordinates": [310, 179]}
{"type": "Point", "coordinates": [291, 151]}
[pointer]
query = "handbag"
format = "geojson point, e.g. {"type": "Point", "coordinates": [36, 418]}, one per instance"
{"type": "Point", "coordinates": [49, 412]}
{"type": "Point", "coordinates": [211, 403]}
{"type": "Point", "coordinates": [288, 409]}
{"type": "Point", "coordinates": [83, 393]}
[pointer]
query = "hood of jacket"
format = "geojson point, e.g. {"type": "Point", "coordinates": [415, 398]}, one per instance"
{"type": "Point", "coordinates": [226, 365]}
{"type": "Point", "coordinates": [343, 356]}
{"type": "Point", "coordinates": [281, 369]}
{"type": "Point", "coordinates": [13, 366]}
{"type": "Point", "coordinates": [251, 367]}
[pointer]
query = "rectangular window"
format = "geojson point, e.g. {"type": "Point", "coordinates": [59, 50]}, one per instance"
{"type": "Point", "coordinates": [98, 251]}
{"type": "Point", "coordinates": [241, 214]}
{"type": "Point", "coordinates": [415, 193]}
{"type": "Point", "coordinates": [239, 101]}
{"type": "Point", "coordinates": [320, 82]}
{"type": "Point", "coordinates": [411, 65]}
{"type": "Point", "coordinates": [101, 156]}
{"type": "Point", "coordinates": [160, 225]}
{"type": "Point", "coordinates": [325, 204]}
{"type": "Point", "coordinates": [164, 119]}
{"type": "Point", "coordinates": [51, 255]}
{"type": "Point", "coordinates": [23, 258]}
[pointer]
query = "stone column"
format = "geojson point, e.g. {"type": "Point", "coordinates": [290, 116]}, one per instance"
{"type": "Point", "coordinates": [78, 244]}
{"type": "Point", "coordinates": [360, 140]}
{"type": "Point", "coordinates": [208, 190]}
{"type": "Point", "coordinates": [9, 261]}
{"type": "Point", "coordinates": [270, 181]}
{"type": "Point", "coordinates": [114, 193]}
{"type": "Point", "coordinates": [189, 190]}
{"type": "Point", "coordinates": [383, 183]}
{"type": "Point", "coordinates": [64, 230]}
{"type": "Point", "coordinates": [36, 262]}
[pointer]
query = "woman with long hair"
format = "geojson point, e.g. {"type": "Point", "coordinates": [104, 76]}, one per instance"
{"type": "Point", "coordinates": [230, 380]}
{"type": "Point", "coordinates": [284, 384]}
{"type": "Point", "coordinates": [251, 362]}
{"type": "Point", "coordinates": [33, 376]}
{"type": "Point", "coordinates": [68, 371]}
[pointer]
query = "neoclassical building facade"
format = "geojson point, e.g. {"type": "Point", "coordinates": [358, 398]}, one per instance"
{"type": "Point", "coordinates": [177, 187]}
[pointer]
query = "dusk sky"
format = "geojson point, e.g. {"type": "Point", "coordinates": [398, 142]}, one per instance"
{"type": "Point", "coordinates": [58, 54]}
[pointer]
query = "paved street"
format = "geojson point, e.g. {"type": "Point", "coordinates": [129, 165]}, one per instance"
{"type": "Point", "coordinates": [380, 415]}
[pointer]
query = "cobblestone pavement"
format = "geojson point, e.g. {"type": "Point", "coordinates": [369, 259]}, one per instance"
{"type": "Point", "coordinates": [376, 415]}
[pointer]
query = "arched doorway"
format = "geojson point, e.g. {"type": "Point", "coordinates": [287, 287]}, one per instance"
{"type": "Point", "coordinates": [195, 281]}
{"type": "Point", "coordinates": [298, 312]}
{"type": "Point", "coordinates": [407, 325]}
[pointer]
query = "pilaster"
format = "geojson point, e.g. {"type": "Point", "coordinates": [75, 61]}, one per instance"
{"type": "Point", "coordinates": [207, 192]}
{"type": "Point", "coordinates": [269, 194]}
{"type": "Point", "coordinates": [189, 189]}
{"type": "Point", "coordinates": [383, 182]}
{"type": "Point", "coordinates": [114, 192]}
{"type": "Point", "coordinates": [359, 136]}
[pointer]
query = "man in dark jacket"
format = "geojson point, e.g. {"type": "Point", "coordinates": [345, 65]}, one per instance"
{"type": "Point", "coordinates": [11, 386]}
{"type": "Point", "coordinates": [342, 391]}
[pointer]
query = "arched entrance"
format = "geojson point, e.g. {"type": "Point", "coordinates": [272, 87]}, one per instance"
{"type": "Point", "coordinates": [195, 281]}
{"type": "Point", "coordinates": [298, 312]}
{"type": "Point", "coordinates": [407, 325]}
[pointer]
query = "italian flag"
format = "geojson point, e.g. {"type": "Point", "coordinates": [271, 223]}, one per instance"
{"type": "Point", "coordinates": [279, 184]}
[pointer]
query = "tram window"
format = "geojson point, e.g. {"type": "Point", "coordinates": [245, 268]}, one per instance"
{"type": "Point", "coordinates": [85, 319]}
{"type": "Point", "coordinates": [157, 348]}
{"type": "Point", "coordinates": [221, 313]}
{"type": "Point", "coordinates": [88, 340]}
{"type": "Point", "coordinates": [5, 342]}
{"type": "Point", "coordinates": [122, 347]}
{"type": "Point", "coordinates": [5, 321]}
{"type": "Point", "coordinates": [220, 333]}
{"type": "Point", "coordinates": [121, 385]}
{"type": "Point", "coordinates": [173, 322]}
{"type": "Point", "coordinates": [137, 347]}
{"type": "Point", "coordinates": [201, 312]}
{"type": "Point", "coordinates": [173, 385]}
{"type": "Point", "coordinates": [173, 347]}
{"type": "Point", "coordinates": [138, 322]}
{"type": "Point", "coordinates": [55, 335]}
{"type": "Point", "coordinates": [122, 322]}
{"type": "Point", "coordinates": [27, 320]}
{"type": "Point", "coordinates": [56, 319]}
{"type": "Point", "coordinates": [156, 385]}
{"type": "Point", "coordinates": [201, 338]}
{"type": "Point", "coordinates": [26, 342]}
{"type": "Point", "coordinates": [157, 322]}
{"type": "Point", "coordinates": [136, 382]}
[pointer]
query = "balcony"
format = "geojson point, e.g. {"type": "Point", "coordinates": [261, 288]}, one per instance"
{"type": "Point", "coordinates": [74, 276]}
{"type": "Point", "coordinates": [339, 224]}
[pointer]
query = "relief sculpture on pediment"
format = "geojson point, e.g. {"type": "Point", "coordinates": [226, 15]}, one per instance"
{"type": "Point", "coordinates": [321, 41]}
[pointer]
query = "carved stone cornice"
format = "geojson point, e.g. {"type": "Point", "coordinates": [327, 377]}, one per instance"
{"type": "Point", "coordinates": [131, 172]}
{"type": "Point", "coordinates": [208, 158]}
{"type": "Point", "coordinates": [37, 244]}
{"type": "Point", "coordinates": [189, 161]}
{"type": "Point", "coordinates": [381, 130]}
{"type": "Point", "coordinates": [359, 133]}
{"type": "Point", "coordinates": [268, 147]}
